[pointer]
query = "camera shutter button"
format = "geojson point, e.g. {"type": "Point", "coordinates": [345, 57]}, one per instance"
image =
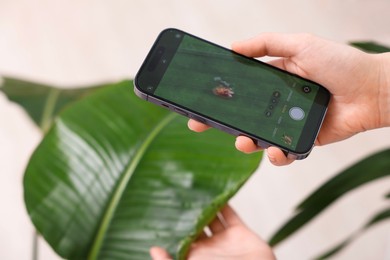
{"type": "Point", "coordinates": [296, 113]}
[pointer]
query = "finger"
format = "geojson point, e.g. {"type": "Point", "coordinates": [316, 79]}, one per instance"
{"type": "Point", "coordinates": [290, 66]}
{"type": "Point", "coordinates": [197, 126]}
{"type": "Point", "coordinates": [218, 224]}
{"type": "Point", "coordinates": [202, 235]}
{"type": "Point", "coordinates": [246, 145]}
{"type": "Point", "coordinates": [158, 253]}
{"type": "Point", "coordinates": [230, 216]}
{"type": "Point", "coordinates": [277, 157]}
{"type": "Point", "coordinates": [279, 63]}
{"type": "Point", "coordinates": [272, 44]}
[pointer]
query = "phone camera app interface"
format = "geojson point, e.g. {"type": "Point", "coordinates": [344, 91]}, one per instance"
{"type": "Point", "coordinates": [249, 96]}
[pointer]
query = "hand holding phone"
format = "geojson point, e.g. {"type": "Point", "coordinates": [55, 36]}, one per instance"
{"type": "Point", "coordinates": [231, 92]}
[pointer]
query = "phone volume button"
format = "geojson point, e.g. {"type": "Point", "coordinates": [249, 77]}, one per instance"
{"type": "Point", "coordinates": [197, 118]}
{"type": "Point", "coordinates": [181, 112]}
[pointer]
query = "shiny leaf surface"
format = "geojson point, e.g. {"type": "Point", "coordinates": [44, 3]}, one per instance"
{"type": "Point", "coordinates": [116, 175]}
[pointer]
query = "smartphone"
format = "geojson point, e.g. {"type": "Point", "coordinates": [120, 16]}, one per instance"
{"type": "Point", "coordinates": [233, 93]}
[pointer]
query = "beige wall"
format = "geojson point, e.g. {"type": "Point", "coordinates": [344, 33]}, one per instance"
{"type": "Point", "coordinates": [83, 42]}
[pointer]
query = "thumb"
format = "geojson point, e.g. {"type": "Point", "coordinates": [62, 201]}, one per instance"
{"type": "Point", "coordinates": [272, 44]}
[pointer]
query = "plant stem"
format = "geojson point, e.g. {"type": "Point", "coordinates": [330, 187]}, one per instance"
{"type": "Point", "coordinates": [44, 126]}
{"type": "Point", "coordinates": [35, 251]}
{"type": "Point", "coordinates": [49, 109]}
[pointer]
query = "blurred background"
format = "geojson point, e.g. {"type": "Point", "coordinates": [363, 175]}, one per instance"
{"type": "Point", "coordinates": [72, 43]}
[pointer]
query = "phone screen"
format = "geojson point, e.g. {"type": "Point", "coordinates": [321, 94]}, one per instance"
{"type": "Point", "coordinates": [245, 94]}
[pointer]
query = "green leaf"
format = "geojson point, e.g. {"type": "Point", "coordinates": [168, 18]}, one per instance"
{"type": "Point", "coordinates": [41, 102]}
{"type": "Point", "coordinates": [372, 47]}
{"type": "Point", "coordinates": [367, 170]}
{"type": "Point", "coordinates": [116, 175]}
{"type": "Point", "coordinates": [370, 169]}
{"type": "Point", "coordinates": [335, 249]}
{"type": "Point", "coordinates": [379, 217]}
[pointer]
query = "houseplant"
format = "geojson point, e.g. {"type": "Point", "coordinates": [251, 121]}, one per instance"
{"type": "Point", "coordinates": [77, 159]}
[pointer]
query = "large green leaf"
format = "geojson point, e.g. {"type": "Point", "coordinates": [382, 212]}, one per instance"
{"type": "Point", "coordinates": [116, 175]}
{"type": "Point", "coordinates": [42, 102]}
{"type": "Point", "coordinates": [371, 168]}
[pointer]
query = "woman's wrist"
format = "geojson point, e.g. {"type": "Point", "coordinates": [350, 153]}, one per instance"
{"type": "Point", "coordinates": [384, 90]}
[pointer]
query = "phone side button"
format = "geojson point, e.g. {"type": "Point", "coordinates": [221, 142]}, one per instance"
{"type": "Point", "coordinates": [197, 118]}
{"type": "Point", "coordinates": [181, 112]}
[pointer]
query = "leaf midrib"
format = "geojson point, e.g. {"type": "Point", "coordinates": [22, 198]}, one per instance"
{"type": "Point", "coordinates": [118, 192]}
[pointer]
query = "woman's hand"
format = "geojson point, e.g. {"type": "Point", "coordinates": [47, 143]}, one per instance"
{"type": "Point", "coordinates": [359, 84]}
{"type": "Point", "coordinates": [230, 239]}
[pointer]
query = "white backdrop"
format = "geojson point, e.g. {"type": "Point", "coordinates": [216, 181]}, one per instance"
{"type": "Point", "coordinates": [70, 42]}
